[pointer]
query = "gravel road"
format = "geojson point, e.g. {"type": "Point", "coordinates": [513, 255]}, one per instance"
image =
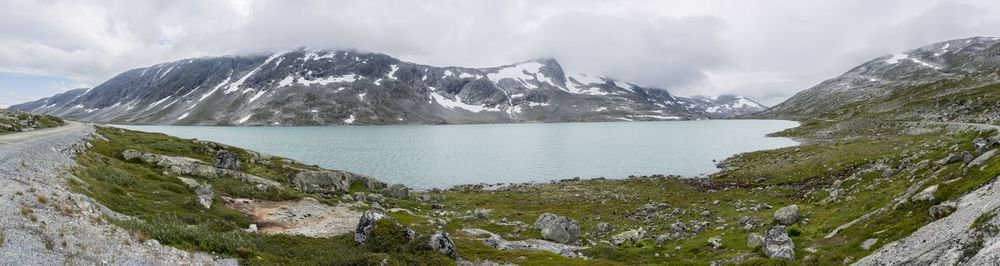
{"type": "Point", "coordinates": [43, 223]}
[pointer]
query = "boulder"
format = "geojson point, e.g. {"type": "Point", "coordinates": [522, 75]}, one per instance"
{"type": "Point", "coordinates": [558, 228]}
{"type": "Point", "coordinates": [205, 195]}
{"type": "Point", "coordinates": [926, 195]}
{"type": "Point", "coordinates": [778, 245]}
{"type": "Point", "coordinates": [376, 198]}
{"type": "Point", "coordinates": [396, 191]}
{"type": "Point", "coordinates": [370, 220]}
{"type": "Point", "coordinates": [322, 181]}
{"type": "Point", "coordinates": [441, 242]}
{"type": "Point", "coordinates": [754, 240]}
{"type": "Point", "coordinates": [226, 160]}
{"type": "Point", "coordinates": [604, 228]}
{"type": "Point", "coordinates": [942, 210]}
{"type": "Point", "coordinates": [175, 165]}
{"type": "Point", "coordinates": [678, 228]}
{"type": "Point", "coordinates": [787, 215]}
{"type": "Point", "coordinates": [952, 158]}
{"type": "Point", "coordinates": [630, 236]}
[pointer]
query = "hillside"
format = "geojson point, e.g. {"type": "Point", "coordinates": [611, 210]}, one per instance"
{"type": "Point", "coordinates": [310, 87]}
{"type": "Point", "coordinates": [947, 81]}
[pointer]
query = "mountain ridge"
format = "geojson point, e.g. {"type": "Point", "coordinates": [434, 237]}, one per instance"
{"type": "Point", "coordinates": [329, 87]}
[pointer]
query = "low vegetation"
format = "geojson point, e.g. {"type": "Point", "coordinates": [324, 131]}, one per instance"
{"type": "Point", "coordinates": [14, 121]}
{"type": "Point", "coordinates": [832, 178]}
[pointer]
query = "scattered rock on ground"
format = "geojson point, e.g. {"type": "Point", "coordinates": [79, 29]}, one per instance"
{"type": "Point", "coordinates": [205, 195]}
{"type": "Point", "coordinates": [396, 191]}
{"type": "Point", "coordinates": [926, 195]}
{"type": "Point", "coordinates": [630, 236]}
{"type": "Point", "coordinates": [558, 228]}
{"type": "Point", "coordinates": [942, 210]}
{"type": "Point", "coordinates": [715, 242]}
{"type": "Point", "coordinates": [778, 245]}
{"type": "Point", "coordinates": [754, 240]}
{"type": "Point", "coordinates": [441, 242]}
{"type": "Point", "coordinates": [604, 228]}
{"type": "Point", "coordinates": [787, 215]}
{"type": "Point", "coordinates": [869, 243]}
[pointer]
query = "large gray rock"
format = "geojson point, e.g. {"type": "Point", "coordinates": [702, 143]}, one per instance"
{"type": "Point", "coordinates": [328, 181]}
{"type": "Point", "coordinates": [396, 191]}
{"type": "Point", "coordinates": [778, 245]}
{"type": "Point", "coordinates": [369, 220]}
{"type": "Point", "coordinates": [205, 195]}
{"type": "Point", "coordinates": [558, 228]}
{"type": "Point", "coordinates": [787, 215]}
{"type": "Point", "coordinates": [441, 242]}
{"type": "Point", "coordinates": [175, 165]}
{"type": "Point", "coordinates": [983, 158]}
{"type": "Point", "coordinates": [226, 160]}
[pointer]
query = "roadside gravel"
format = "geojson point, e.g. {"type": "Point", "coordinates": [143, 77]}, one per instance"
{"type": "Point", "coordinates": [43, 223]}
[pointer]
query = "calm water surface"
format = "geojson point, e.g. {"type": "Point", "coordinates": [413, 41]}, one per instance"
{"type": "Point", "coordinates": [446, 155]}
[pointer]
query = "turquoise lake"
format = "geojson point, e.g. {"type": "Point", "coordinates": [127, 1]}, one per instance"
{"type": "Point", "coordinates": [438, 156]}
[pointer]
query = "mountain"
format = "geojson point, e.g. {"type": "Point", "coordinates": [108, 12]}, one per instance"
{"type": "Point", "coordinates": [320, 87]}
{"type": "Point", "coordinates": [946, 81]}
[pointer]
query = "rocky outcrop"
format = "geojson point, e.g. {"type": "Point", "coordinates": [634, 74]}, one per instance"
{"type": "Point", "coordinates": [370, 220]}
{"type": "Point", "coordinates": [175, 165]}
{"type": "Point", "coordinates": [778, 245]}
{"type": "Point", "coordinates": [396, 191]}
{"type": "Point", "coordinates": [442, 243]}
{"type": "Point", "coordinates": [558, 228]}
{"type": "Point", "coordinates": [226, 160]}
{"type": "Point", "coordinates": [329, 181]}
{"type": "Point", "coordinates": [787, 215]}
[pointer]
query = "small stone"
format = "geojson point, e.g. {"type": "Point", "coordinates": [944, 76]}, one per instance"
{"type": "Point", "coordinates": [630, 236]}
{"type": "Point", "coordinates": [604, 228]}
{"type": "Point", "coordinates": [715, 242]}
{"type": "Point", "coordinates": [481, 213]}
{"type": "Point", "coordinates": [252, 228]}
{"type": "Point", "coordinates": [926, 195]}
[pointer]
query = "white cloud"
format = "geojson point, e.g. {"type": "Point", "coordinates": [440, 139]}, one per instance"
{"type": "Point", "coordinates": [766, 49]}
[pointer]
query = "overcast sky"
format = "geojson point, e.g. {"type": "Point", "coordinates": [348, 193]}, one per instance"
{"type": "Point", "coordinates": [765, 49]}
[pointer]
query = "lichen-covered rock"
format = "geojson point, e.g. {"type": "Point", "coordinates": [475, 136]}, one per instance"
{"type": "Point", "coordinates": [715, 242]}
{"type": "Point", "coordinates": [787, 215]}
{"type": "Point", "coordinates": [371, 220]}
{"type": "Point", "coordinates": [226, 160]}
{"type": "Point", "coordinates": [778, 245]}
{"type": "Point", "coordinates": [558, 228]}
{"type": "Point", "coordinates": [442, 243]}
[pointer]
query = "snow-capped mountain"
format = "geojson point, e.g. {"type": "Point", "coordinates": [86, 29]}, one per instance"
{"type": "Point", "coordinates": [894, 83]}
{"type": "Point", "coordinates": [319, 87]}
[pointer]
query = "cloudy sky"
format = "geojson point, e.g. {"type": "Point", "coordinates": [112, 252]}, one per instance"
{"type": "Point", "coordinates": [765, 49]}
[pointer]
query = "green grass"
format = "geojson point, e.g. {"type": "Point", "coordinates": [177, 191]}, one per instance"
{"type": "Point", "coordinates": [13, 121]}
{"type": "Point", "coordinates": [167, 209]}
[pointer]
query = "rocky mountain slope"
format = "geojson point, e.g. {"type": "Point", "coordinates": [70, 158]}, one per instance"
{"type": "Point", "coordinates": [945, 81]}
{"type": "Point", "coordinates": [307, 87]}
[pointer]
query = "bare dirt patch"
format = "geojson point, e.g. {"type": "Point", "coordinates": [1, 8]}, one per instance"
{"type": "Point", "coordinates": [306, 217]}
